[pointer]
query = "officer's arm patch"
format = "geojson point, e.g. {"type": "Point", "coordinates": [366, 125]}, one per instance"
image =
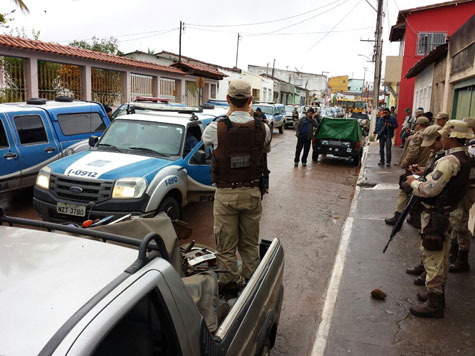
{"type": "Point", "coordinates": [436, 175]}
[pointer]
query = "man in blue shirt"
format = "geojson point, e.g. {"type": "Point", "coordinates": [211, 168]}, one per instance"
{"type": "Point", "coordinates": [304, 133]}
{"type": "Point", "coordinates": [385, 126]}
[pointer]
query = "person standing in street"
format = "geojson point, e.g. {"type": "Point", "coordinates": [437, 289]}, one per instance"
{"type": "Point", "coordinates": [385, 126]}
{"type": "Point", "coordinates": [304, 133]}
{"type": "Point", "coordinates": [460, 238]}
{"type": "Point", "coordinates": [441, 192]}
{"type": "Point", "coordinates": [239, 142]}
{"type": "Point", "coordinates": [258, 114]}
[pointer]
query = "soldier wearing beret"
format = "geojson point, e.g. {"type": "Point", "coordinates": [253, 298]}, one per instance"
{"type": "Point", "coordinates": [440, 194]}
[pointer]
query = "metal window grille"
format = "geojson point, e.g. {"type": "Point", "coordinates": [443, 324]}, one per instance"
{"type": "Point", "coordinates": [12, 80]}
{"type": "Point", "coordinates": [427, 41]}
{"type": "Point", "coordinates": [141, 85]}
{"type": "Point", "coordinates": [56, 79]}
{"type": "Point", "coordinates": [106, 86]}
{"type": "Point", "coordinates": [167, 89]}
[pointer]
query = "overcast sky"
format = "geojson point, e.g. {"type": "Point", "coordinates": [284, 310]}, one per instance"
{"type": "Point", "coordinates": [312, 36]}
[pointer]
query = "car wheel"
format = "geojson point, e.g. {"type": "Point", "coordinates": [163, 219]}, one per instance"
{"type": "Point", "coordinates": [357, 160]}
{"type": "Point", "coordinates": [271, 127]}
{"type": "Point", "coordinates": [170, 206]}
{"type": "Point", "coordinates": [314, 156]}
{"type": "Point", "coordinates": [281, 129]}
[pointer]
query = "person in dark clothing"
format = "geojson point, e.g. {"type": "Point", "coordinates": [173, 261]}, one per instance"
{"type": "Point", "coordinates": [258, 114]}
{"type": "Point", "coordinates": [108, 110]}
{"type": "Point", "coordinates": [304, 133]}
{"type": "Point", "coordinates": [385, 126]}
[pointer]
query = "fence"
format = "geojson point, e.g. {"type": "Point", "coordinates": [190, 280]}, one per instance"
{"type": "Point", "coordinates": [55, 79]}
{"type": "Point", "coordinates": [12, 80]}
{"type": "Point", "coordinates": [141, 85]}
{"type": "Point", "coordinates": [167, 88]}
{"type": "Point", "coordinates": [105, 85]}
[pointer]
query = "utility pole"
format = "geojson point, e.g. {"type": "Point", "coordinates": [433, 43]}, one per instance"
{"type": "Point", "coordinates": [273, 69]}
{"type": "Point", "coordinates": [377, 63]}
{"type": "Point", "coordinates": [179, 44]}
{"type": "Point", "coordinates": [364, 78]}
{"type": "Point", "coordinates": [237, 49]}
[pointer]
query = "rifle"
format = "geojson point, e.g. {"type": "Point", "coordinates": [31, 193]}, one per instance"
{"type": "Point", "coordinates": [397, 227]}
{"type": "Point", "coordinates": [264, 179]}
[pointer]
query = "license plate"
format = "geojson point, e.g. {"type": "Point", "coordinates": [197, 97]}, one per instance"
{"type": "Point", "coordinates": [71, 209]}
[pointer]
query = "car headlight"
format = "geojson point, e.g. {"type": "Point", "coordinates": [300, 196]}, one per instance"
{"type": "Point", "coordinates": [129, 188]}
{"type": "Point", "coordinates": [42, 180]}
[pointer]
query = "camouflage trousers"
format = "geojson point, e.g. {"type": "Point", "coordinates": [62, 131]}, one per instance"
{"type": "Point", "coordinates": [436, 263]}
{"type": "Point", "coordinates": [237, 214]}
{"type": "Point", "coordinates": [459, 221]}
{"type": "Point", "coordinates": [401, 201]}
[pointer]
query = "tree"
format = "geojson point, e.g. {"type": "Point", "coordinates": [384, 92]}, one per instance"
{"type": "Point", "coordinates": [21, 4]}
{"type": "Point", "coordinates": [105, 45]}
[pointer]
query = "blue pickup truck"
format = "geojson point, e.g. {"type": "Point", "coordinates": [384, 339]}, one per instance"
{"type": "Point", "coordinates": [35, 133]}
{"type": "Point", "coordinates": [145, 163]}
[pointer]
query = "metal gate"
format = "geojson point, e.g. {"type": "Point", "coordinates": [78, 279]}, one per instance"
{"type": "Point", "coordinates": [141, 86]}
{"type": "Point", "coordinates": [57, 79]}
{"type": "Point", "coordinates": [12, 80]}
{"type": "Point", "coordinates": [106, 86]}
{"type": "Point", "coordinates": [167, 89]}
{"type": "Point", "coordinates": [191, 94]}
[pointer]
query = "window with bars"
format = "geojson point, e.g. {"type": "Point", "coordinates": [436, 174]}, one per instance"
{"type": "Point", "coordinates": [427, 41]}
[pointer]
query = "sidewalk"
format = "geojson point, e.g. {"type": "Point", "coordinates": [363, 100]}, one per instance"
{"type": "Point", "coordinates": [363, 326]}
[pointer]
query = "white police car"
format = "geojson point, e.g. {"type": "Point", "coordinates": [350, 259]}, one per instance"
{"type": "Point", "coordinates": [143, 164]}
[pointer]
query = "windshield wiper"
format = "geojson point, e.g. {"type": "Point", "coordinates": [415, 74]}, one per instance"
{"type": "Point", "coordinates": [144, 149]}
{"type": "Point", "coordinates": [115, 148]}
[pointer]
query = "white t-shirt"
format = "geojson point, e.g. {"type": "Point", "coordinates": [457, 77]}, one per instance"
{"type": "Point", "coordinates": [210, 135]}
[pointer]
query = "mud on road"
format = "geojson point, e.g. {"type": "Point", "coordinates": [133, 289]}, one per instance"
{"type": "Point", "coordinates": [306, 208]}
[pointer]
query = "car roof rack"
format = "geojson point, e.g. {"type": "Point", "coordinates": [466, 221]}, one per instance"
{"type": "Point", "coordinates": [144, 245]}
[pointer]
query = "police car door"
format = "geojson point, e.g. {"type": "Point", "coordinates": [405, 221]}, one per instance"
{"type": "Point", "coordinates": [9, 157]}
{"type": "Point", "coordinates": [36, 143]}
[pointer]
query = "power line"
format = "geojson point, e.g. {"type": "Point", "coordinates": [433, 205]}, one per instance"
{"type": "Point", "coordinates": [149, 36]}
{"type": "Point", "coordinates": [270, 21]}
{"type": "Point", "coordinates": [155, 32]}
{"type": "Point", "coordinates": [331, 30]}
{"type": "Point", "coordinates": [280, 33]}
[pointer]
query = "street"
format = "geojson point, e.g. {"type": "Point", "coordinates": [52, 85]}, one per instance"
{"type": "Point", "coordinates": [306, 208]}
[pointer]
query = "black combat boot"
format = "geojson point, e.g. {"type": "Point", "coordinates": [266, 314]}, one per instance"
{"type": "Point", "coordinates": [421, 280]}
{"type": "Point", "coordinates": [454, 249]}
{"type": "Point", "coordinates": [423, 295]}
{"type": "Point", "coordinates": [416, 270]}
{"type": "Point", "coordinates": [433, 307]}
{"type": "Point", "coordinates": [392, 221]}
{"type": "Point", "coordinates": [461, 263]}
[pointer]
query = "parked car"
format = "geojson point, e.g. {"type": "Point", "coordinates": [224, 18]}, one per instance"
{"type": "Point", "coordinates": [364, 121]}
{"type": "Point", "coordinates": [275, 113]}
{"type": "Point", "coordinates": [289, 119]}
{"type": "Point", "coordinates": [339, 137]}
{"type": "Point", "coordinates": [326, 112]}
{"type": "Point", "coordinates": [339, 112]}
{"type": "Point", "coordinates": [38, 132]}
{"type": "Point", "coordinates": [143, 105]}
{"type": "Point", "coordinates": [141, 294]}
{"type": "Point", "coordinates": [144, 164]}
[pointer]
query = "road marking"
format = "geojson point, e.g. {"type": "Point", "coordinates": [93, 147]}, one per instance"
{"type": "Point", "coordinates": [323, 330]}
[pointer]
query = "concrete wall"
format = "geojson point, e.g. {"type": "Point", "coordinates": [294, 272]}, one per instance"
{"type": "Point", "coordinates": [355, 85]}
{"type": "Point", "coordinates": [438, 86]}
{"type": "Point", "coordinates": [339, 83]}
{"type": "Point", "coordinates": [423, 88]}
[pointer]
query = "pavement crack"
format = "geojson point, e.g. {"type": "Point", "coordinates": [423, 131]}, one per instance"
{"type": "Point", "coordinates": [400, 321]}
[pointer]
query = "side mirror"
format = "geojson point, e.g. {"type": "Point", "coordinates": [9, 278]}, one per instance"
{"type": "Point", "coordinates": [199, 157]}
{"type": "Point", "coordinates": [93, 140]}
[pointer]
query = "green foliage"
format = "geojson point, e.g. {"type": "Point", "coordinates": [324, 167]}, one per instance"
{"type": "Point", "coordinates": [21, 4]}
{"type": "Point", "coordinates": [105, 45]}
{"type": "Point", "coordinates": [21, 32]}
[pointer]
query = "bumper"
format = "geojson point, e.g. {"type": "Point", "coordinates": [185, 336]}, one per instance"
{"type": "Point", "coordinates": [290, 123]}
{"type": "Point", "coordinates": [336, 151]}
{"type": "Point", "coordinates": [45, 204]}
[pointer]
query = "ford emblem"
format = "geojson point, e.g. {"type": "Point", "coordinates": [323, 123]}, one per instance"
{"type": "Point", "coordinates": [75, 189]}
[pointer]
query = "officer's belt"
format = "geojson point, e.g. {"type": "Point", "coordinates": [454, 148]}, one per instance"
{"type": "Point", "coordinates": [234, 185]}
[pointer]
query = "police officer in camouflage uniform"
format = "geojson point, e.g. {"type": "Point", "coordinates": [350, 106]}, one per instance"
{"type": "Point", "coordinates": [239, 142]}
{"type": "Point", "coordinates": [461, 235]}
{"type": "Point", "coordinates": [413, 153]}
{"type": "Point", "coordinates": [441, 193]}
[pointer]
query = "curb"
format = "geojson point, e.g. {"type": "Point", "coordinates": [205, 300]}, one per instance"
{"type": "Point", "coordinates": [323, 329]}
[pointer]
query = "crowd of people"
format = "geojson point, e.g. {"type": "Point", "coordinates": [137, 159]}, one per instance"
{"type": "Point", "coordinates": [437, 159]}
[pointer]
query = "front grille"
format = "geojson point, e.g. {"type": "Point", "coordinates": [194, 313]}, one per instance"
{"type": "Point", "coordinates": [92, 190]}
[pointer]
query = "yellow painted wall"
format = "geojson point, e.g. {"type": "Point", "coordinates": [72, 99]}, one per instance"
{"type": "Point", "coordinates": [339, 83]}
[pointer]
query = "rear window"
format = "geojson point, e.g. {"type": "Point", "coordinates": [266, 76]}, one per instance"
{"type": "Point", "coordinates": [80, 123]}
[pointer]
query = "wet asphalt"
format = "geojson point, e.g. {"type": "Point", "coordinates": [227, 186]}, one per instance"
{"type": "Point", "coordinates": [306, 209]}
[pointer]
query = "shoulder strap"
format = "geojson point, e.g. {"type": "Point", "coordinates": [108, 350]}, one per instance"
{"type": "Point", "coordinates": [224, 119]}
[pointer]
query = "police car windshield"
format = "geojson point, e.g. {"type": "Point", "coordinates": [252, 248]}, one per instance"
{"type": "Point", "coordinates": [144, 138]}
{"type": "Point", "coordinates": [265, 109]}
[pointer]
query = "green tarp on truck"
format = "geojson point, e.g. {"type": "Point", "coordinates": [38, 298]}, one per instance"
{"type": "Point", "coordinates": [343, 129]}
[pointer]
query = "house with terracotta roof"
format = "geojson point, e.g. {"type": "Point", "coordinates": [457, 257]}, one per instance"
{"type": "Point", "coordinates": [31, 68]}
{"type": "Point", "coordinates": [419, 30]}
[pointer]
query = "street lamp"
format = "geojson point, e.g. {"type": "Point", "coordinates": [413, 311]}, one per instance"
{"type": "Point", "coordinates": [369, 59]}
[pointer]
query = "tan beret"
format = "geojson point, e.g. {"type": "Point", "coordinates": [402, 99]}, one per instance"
{"type": "Point", "coordinates": [429, 135]}
{"type": "Point", "coordinates": [470, 121]}
{"type": "Point", "coordinates": [442, 115]}
{"type": "Point", "coordinates": [423, 120]}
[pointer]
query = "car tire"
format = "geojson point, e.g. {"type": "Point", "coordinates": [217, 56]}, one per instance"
{"type": "Point", "coordinates": [271, 127]}
{"type": "Point", "coordinates": [281, 129]}
{"type": "Point", "coordinates": [357, 160]}
{"type": "Point", "coordinates": [170, 206]}
{"type": "Point", "coordinates": [314, 156]}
